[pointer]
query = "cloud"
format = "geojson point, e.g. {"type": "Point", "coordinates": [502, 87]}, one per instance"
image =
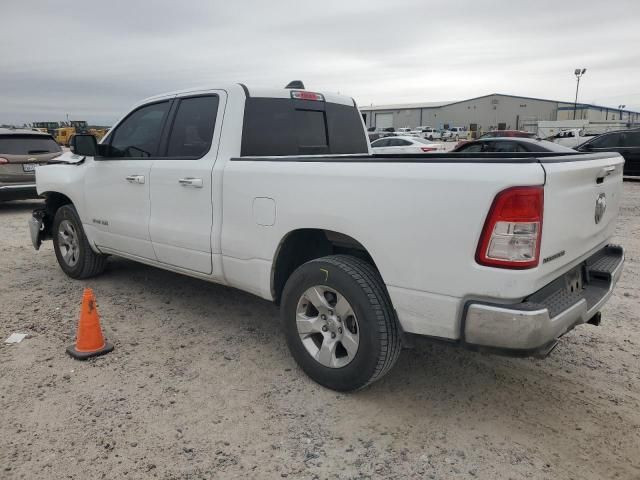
{"type": "Point", "coordinates": [92, 61]}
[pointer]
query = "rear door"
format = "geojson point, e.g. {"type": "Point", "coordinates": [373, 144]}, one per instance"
{"type": "Point", "coordinates": [581, 201]}
{"type": "Point", "coordinates": [181, 183]}
{"type": "Point", "coordinates": [399, 145]}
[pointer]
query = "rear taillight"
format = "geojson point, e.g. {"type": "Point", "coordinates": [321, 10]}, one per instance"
{"type": "Point", "coordinates": [428, 149]}
{"type": "Point", "coordinates": [3, 161]}
{"type": "Point", "coordinates": [513, 229]}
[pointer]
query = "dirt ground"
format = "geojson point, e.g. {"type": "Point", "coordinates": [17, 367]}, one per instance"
{"type": "Point", "coordinates": [201, 385]}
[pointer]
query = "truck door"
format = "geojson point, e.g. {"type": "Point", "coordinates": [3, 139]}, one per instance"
{"type": "Point", "coordinates": [117, 184]}
{"type": "Point", "coordinates": [181, 188]}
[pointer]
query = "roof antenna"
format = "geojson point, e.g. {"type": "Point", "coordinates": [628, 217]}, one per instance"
{"type": "Point", "coordinates": [295, 84]}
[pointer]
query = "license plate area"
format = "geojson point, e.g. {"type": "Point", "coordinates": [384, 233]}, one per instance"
{"type": "Point", "coordinates": [29, 167]}
{"type": "Point", "coordinates": [573, 280]}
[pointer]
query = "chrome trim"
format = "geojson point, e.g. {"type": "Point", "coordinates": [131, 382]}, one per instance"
{"type": "Point", "coordinates": [521, 329]}
{"type": "Point", "coordinates": [17, 187]}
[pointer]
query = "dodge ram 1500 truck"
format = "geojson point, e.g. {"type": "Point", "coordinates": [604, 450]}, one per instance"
{"type": "Point", "coordinates": [276, 192]}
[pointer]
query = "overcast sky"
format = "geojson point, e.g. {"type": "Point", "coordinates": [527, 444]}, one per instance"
{"type": "Point", "coordinates": [93, 60]}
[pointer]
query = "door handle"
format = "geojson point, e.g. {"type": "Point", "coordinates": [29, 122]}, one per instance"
{"type": "Point", "coordinates": [135, 178]}
{"type": "Point", "coordinates": [190, 182]}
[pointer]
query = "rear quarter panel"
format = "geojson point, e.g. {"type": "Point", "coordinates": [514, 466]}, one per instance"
{"type": "Point", "coordinates": [419, 221]}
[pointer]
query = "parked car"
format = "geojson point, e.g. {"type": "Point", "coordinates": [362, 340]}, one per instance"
{"type": "Point", "coordinates": [419, 130]}
{"type": "Point", "coordinates": [624, 142]}
{"type": "Point", "coordinates": [360, 251]}
{"type": "Point", "coordinates": [429, 133]}
{"type": "Point", "coordinates": [510, 145]}
{"type": "Point", "coordinates": [373, 134]}
{"type": "Point", "coordinates": [405, 131]}
{"type": "Point", "coordinates": [404, 144]}
{"type": "Point", "coordinates": [571, 137]}
{"type": "Point", "coordinates": [456, 133]}
{"type": "Point", "coordinates": [445, 135]}
{"type": "Point", "coordinates": [501, 133]}
{"type": "Point", "coordinates": [507, 133]}
{"type": "Point", "coordinates": [20, 152]}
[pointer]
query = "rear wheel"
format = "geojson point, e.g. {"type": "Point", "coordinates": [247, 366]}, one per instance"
{"type": "Point", "coordinates": [74, 254]}
{"type": "Point", "coordinates": [340, 326]}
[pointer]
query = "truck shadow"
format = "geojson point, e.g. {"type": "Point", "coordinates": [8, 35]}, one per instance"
{"type": "Point", "coordinates": [435, 390]}
{"type": "Point", "coordinates": [429, 371]}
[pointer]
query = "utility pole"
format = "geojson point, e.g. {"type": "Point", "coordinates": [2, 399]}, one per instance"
{"type": "Point", "coordinates": [621, 107]}
{"type": "Point", "coordinates": [578, 72]}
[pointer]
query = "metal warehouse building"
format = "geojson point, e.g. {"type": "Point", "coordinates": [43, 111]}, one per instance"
{"type": "Point", "coordinates": [490, 112]}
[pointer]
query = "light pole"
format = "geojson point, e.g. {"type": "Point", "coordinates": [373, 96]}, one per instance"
{"type": "Point", "coordinates": [620, 107]}
{"type": "Point", "coordinates": [578, 72]}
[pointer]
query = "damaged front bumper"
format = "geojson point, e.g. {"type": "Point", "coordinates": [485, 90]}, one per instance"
{"type": "Point", "coordinates": [37, 227]}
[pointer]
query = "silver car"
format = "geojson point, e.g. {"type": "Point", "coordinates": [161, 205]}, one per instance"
{"type": "Point", "coordinates": [20, 152]}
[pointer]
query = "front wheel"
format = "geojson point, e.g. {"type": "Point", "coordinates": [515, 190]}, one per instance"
{"type": "Point", "coordinates": [74, 254]}
{"type": "Point", "coordinates": [339, 322]}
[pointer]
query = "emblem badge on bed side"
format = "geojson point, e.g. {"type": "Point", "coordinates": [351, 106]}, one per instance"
{"type": "Point", "coordinates": [601, 206]}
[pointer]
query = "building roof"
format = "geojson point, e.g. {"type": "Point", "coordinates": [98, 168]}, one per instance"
{"type": "Point", "coordinates": [405, 106]}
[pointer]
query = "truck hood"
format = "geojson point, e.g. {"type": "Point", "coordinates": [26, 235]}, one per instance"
{"type": "Point", "coordinates": [68, 157]}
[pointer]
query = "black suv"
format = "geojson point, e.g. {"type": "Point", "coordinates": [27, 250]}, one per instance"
{"type": "Point", "coordinates": [625, 142]}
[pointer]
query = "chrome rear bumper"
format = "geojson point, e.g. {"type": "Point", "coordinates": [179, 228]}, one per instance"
{"type": "Point", "coordinates": [533, 326]}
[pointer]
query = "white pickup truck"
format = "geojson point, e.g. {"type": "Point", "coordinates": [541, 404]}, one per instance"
{"type": "Point", "coordinates": [276, 192]}
{"type": "Point", "coordinates": [571, 137]}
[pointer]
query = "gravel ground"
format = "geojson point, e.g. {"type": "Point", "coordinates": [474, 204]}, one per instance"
{"type": "Point", "coordinates": [201, 385]}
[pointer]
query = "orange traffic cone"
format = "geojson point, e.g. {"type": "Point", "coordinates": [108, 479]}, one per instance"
{"type": "Point", "coordinates": [89, 340]}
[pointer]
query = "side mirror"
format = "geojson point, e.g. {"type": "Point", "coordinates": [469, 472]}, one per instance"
{"type": "Point", "coordinates": [84, 144]}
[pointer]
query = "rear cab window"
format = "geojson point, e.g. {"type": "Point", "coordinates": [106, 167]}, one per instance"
{"type": "Point", "coordinates": [291, 127]}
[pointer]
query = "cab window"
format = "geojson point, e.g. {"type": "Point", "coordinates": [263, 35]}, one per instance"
{"type": "Point", "coordinates": [192, 128]}
{"type": "Point", "coordinates": [138, 136]}
{"type": "Point", "coordinates": [382, 142]}
{"type": "Point", "coordinates": [610, 140]}
{"type": "Point", "coordinates": [472, 148]}
{"type": "Point", "coordinates": [505, 147]}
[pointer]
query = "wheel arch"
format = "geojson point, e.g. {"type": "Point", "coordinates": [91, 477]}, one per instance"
{"type": "Point", "coordinates": [302, 245]}
{"type": "Point", "coordinates": [52, 202]}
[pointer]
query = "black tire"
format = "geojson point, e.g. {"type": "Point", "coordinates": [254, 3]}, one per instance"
{"type": "Point", "coordinates": [361, 285]}
{"type": "Point", "coordinates": [88, 263]}
{"type": "Point", "coordinates": [431, 138]}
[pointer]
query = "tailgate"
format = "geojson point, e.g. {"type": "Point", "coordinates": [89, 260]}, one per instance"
{"type": "Point", "coordinates": [581, 201]}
